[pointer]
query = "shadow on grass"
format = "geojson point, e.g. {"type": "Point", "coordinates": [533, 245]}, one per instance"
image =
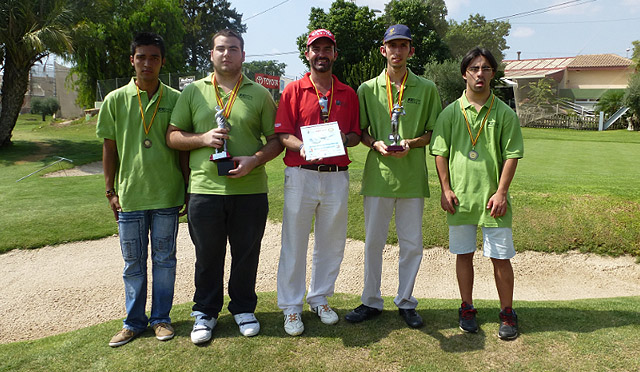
{"type": "Point", "coordinates": [440, 323]}
{"type": "Point", "coordinates": [80, 152]}
{"type": "Point", "coordinates": [531, 320]}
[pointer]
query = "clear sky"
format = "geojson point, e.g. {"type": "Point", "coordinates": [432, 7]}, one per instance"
{"type": "Point", "coordinates": [559, 28]}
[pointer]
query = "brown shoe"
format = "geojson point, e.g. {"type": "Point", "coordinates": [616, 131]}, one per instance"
{"type": "Point", "coordinates": [164, 331]}
{"type": "Point", "coordinates": [125, 335]}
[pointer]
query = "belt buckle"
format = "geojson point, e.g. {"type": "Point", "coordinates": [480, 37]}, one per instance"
{"type": "Point", "coordinates": [324, 168]}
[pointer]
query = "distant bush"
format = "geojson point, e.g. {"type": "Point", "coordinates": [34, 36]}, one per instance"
{"type": "Point", "coordinates": [632, 97]}
{"type": "Point", "coordinates": [44, 106]}
{"type": "Point", "coordinates": [610, 102]}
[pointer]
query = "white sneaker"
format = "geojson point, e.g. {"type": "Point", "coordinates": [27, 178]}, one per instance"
{"type": "Point", "coordinates": [202, 327]}
{"type": "Point", "coordinates": [249, 325]}
{"type": "Point", "coordinates": [293, 324]}
{"type": "Point", "coordinates": [326, 314]}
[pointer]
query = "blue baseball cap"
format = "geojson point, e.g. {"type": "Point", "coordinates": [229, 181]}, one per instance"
{"type": "Point", "coordinates": [397, 32]}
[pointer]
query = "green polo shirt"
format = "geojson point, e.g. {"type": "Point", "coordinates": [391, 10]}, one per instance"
{"type": "Point", "coordinates": [475, 181]}
{"type": "Point", "coordinates": [389, 176]}
{"type": "Point", "coordinates": [252, 116]}
{"type": "Point", "coordinates": [146, 178]}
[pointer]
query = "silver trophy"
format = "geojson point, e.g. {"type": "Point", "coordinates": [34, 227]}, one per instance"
{"type": "Point", "coordinates": [393, 136]}
{"type": "Point", "coordinates": [221, 153]}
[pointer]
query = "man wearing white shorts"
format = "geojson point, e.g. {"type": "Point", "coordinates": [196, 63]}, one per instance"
{"type": "Point", "coordinates": [477, 143]}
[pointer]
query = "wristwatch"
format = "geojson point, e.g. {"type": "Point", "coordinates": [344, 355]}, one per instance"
{"type": "Point", "coordinates": [109, 193]}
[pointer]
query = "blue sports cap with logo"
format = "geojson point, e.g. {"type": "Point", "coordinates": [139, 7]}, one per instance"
{"type": "Point", "coordinates": [397, 32]}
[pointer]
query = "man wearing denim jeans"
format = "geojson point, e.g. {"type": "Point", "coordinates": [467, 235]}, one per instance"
{"type": "Point", "coordinates": [221, 120]}
{"type": "Point", "coordinates": [145, 186]}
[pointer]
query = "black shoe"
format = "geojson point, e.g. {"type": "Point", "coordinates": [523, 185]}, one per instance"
{"type": "Point", "coordinates": [467, 318]}
{"type": "Point", "coordinates": [412, 318]}
{"type": "Point", "coordinates": [362, 312]}
{"type": "Point", "coordinates": [508, 324]}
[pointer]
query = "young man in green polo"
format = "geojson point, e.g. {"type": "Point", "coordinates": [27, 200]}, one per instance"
{"type": "Point", "coordinates": [226, 113]}
{"type": "Point", "coordinates": [145, 186]}
{"type": "Point", "coordinates": [477, 143]}
{"type": "Point", "coordinates": [398, 110]}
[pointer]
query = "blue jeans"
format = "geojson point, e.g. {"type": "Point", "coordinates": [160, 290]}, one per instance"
{"type": "Point", "coordinates": [134, 230]}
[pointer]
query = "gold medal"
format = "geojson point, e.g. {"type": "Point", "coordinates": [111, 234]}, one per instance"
{"type": "Point", "coordinates": [147, 142]}
{"type": "Point", "coordinates": [473, 154]}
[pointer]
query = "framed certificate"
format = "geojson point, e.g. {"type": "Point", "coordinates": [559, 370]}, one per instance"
{"type": "Point", "coordinates": [322, 140]}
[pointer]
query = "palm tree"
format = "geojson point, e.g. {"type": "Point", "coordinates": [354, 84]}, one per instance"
{"type": "Point", "coordinates": [29, 31]}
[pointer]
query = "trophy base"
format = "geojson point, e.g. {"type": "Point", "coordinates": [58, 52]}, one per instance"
{"type": "Point", "coordinates": [395, 148]}
{"type": "Point", "coordinates": [224, 166]}
{"type": "Point", "coordinates": [217, 156]}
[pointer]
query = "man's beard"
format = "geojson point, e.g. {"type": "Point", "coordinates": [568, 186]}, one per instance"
{"type": "Point", "coordinates": [323, 68]}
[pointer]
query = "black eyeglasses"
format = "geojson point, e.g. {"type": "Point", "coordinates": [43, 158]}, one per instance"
{"type": "Point", "coordinates": [324, 107]}
{"type": "Point", "coordinates": [475, 69]}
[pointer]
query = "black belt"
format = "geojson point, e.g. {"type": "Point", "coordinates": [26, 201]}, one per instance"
{"type": "Point", "coordinates": [324, 167]}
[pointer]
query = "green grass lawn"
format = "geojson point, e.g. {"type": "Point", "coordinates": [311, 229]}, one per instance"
{"type": "Point", "coordinates": [583, 335]}
{"type": "Point", "coordinates": [572, 190]}
{"type": "Point", "coordinates": [39, 211]}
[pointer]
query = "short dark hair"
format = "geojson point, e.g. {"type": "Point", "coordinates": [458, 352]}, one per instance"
{"type": "Point", "coordinates": [147, 38]}
{"type": "Point", "coordinates": [228, 33]}
{"type": "Point", "coordinates": [475, 52]}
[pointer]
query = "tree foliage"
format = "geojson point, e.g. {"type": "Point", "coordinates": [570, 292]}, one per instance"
{"type": "Point", "coordinates": [610, 101]}
{"type": "Point", "coordinates": [356, 29]}
{"type": "Point", "coordinates": [264, 67]}
{"type": "Point", "coordinates": [426, 20]}
{"type": "Point", "coordinates": [635, 56]}
{"type": "Point", "coordinates": [541, 92]}
{"type": "Point", "coordinates": [44, 106]}
{"type": "Point", "coordinates": [103, 40]}
{"type": "Point", "coordinates": [632, 97]}
{"type": "Point", "coordinates": [446, 75]}
{"type": "Point", "coordinates": [29, 31]}
{"type": "Point", "coordinates": [102, 43]}
{"type": "Point", "coordinates": [369, 66]}
{"type": "Point", "coordinates": [202, 19]}
{"type": "Point", "coordinates": [477, 31]}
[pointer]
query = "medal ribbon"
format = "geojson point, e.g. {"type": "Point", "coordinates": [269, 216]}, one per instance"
{"type": "Point", "coordinates": [144, 122]}
{"type": "Point", "coordinates": [484, 121]}
{"type": "Point", "coordinates": [318, 95]}
{"type": "Point", "coordinates": [390, 94]}
{"type": "Point", "coordinates": [232, 96]}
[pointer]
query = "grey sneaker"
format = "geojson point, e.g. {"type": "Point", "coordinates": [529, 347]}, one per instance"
{"type": "Point", "coordinates": [122, 337]}
{"type": "Point", "coordinates": [202, 327]}
{"type": "Point", "coordinates": [508, 324]}
{"type": "Point", "coordinates": [467, 318]}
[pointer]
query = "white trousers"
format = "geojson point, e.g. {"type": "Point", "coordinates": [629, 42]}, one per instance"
{"type": "Point", "coordinates": [308, 193]}
{"type": "Point", "coordinates": [377, 215]}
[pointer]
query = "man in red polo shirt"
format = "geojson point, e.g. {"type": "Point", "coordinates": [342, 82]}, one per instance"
{"type": "Point", "coordinates": [315, 186]}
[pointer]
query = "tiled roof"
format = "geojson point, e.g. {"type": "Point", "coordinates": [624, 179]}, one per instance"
{"type": "Point", "coordinates": [535, 67]}
{"type": "Point", "coordinates": [541, 67]}
{"type": "Point", "coordinates": [599, 60]}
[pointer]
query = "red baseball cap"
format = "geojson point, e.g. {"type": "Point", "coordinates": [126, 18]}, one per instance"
{"type": "Point", "coordinates": [320, 33]}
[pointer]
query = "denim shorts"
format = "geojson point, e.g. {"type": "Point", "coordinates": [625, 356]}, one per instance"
{"type": "Point", "coordinates": [497, 242]}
